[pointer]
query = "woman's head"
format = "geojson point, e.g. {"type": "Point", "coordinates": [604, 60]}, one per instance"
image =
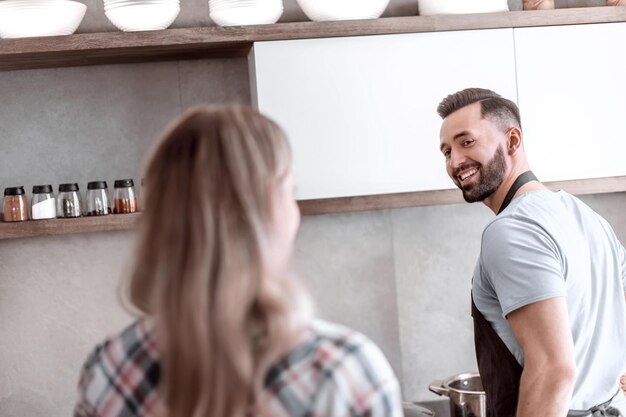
{"type": "Point", "coordinates": [213, 256]}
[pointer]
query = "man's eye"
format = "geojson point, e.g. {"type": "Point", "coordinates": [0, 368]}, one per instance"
{"type": "Point", "coordinates": [468, 142]}
{"type": "Point", "coordinates": [446, 154]}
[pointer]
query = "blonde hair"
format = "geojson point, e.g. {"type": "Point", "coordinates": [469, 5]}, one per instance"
{"type": "Point", "coordinates": [222, 318]}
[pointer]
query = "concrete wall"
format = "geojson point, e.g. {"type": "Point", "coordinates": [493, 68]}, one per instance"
{"type": "Point", "coordinates": [400, 276]}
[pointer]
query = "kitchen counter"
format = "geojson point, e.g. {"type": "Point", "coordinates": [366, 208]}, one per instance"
{"type": "Point", "coordinates": [440, 407]}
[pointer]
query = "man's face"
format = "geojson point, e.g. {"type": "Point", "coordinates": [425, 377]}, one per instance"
{"type": "Point", "coordinates": [474, 149]}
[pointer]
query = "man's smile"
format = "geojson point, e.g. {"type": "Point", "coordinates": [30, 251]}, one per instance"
{"type": "Point", "coordinates": [465, 175]}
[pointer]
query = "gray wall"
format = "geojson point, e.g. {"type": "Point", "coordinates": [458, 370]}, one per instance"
{"type": "Point", "coordinates": [400, 276]}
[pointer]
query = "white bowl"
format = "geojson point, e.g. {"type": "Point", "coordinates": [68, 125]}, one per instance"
{"type": "Point", "coordinates": [110, 4]}
{"type": "Point", "coordinates": [26, 18]}
{"type": "Point", "coordinates": [151, 3]}
{"type": "Point", "coordinates": [260, 12]}
{"type": "Point", "coordinates": [435, 7]}
{"type": "Point", "coordinates": [323, 10]}
{"type": "Point", "coordinates": [140, 17]}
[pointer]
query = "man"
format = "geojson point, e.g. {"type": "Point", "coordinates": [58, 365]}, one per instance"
{"type": "Point", "coordinates": [549, 288]}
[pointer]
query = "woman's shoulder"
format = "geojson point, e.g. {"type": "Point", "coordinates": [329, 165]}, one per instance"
{"type": "Point", "coordinates": [337, 369]}
{"type": "Point", "coordinates": [333, 351]}
{"type": "Point", "coordinates": [122, 370]}
{"type": "Point", "coordinates": [342, 346]}
{"type": "Point", "coordinates": [338, 335]}
{"type": "Point", "coordinates": [135, 339]}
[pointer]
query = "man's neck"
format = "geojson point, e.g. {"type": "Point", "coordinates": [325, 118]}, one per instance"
{"type": "Point", "coordinates": [494, 201]}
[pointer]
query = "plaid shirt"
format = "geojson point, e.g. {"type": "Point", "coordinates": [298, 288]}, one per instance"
{"type": "Point", "coordinates": [337, 372]}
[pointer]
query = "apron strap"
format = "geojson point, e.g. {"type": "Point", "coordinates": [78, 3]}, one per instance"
{"type": "Point", "coordinates": [525, 177]}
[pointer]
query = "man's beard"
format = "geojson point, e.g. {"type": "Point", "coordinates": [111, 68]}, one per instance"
{"type": "Point", "coordinates": [491, 177]}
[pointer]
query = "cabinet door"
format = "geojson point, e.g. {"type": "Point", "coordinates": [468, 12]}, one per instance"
{"type": "Point", "coordinates": [360, 112]}
{"type": "Point", "coordinates": [572, 90]}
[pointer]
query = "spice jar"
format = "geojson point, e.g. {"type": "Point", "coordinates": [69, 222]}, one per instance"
{"type": "Point", "coordinates": [97, 199]}
{"type": "Point", "coordinates": [124, 199]}
{"type": "Point", "coordinates": [42, 204]}
{"type": "Point", "coordinates": [15, 207]}
{"type": "Point", "coordinates": [68, 202]}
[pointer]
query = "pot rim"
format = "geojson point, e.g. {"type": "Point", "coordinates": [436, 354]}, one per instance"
{"type": "Point", "coordinates": [458, 377]}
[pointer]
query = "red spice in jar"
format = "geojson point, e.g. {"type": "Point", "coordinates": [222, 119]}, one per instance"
{"type": "Point", "coordinates": [124, 206]}
{"type": "Point", "coordinates": [124, 199]}
{"type": "Point", "coordinates": [15, 206]}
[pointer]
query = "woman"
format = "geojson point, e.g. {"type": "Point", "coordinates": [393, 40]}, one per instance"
{"type": "Point", "coordinates": [225, 331]}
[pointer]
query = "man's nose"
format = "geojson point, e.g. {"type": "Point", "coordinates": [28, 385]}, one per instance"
{"type": "Point", "coordinates": [456, 158]}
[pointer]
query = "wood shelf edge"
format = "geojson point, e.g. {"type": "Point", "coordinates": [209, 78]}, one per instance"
{"type": "Point", "coordinates": [602, 185]}
{"type": "Point", "coordinates": [443, 197]}
{"type": "Point", "coordinates": [115, 222]}
{"type": "Point", "coordinates": [223, 42]}
{"type": "Point", "coordinates": [35, 228]}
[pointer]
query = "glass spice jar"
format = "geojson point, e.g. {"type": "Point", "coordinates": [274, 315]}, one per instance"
{"type": "Point", "coordinates": [42, 204]}
{"type": "Point", "coordinates": [68, 201]}
{"type": "Point", "coordinates": [97, 199]}
{"type": "Point", "coordinates": [124, 198]}
{"type": "Point", "coordinates": [15, 207]}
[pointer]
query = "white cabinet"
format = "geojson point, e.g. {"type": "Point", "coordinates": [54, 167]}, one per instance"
{"type": "Point", "coordinates": [572, 96]}
{"type": "Point", "coordinates": [360, 112]}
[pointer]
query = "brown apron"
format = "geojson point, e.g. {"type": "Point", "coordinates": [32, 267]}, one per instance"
{"type": "Point", "coordinates": [499, 370]}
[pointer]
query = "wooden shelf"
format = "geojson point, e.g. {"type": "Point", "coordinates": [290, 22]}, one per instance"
{"type": "Point", "coordinates": [212, 42]}
{"type": "Point", "coordinates": [33, 228]}
{"type": "Point", "coordinates": [437, 197]}
{"type": "Point", "coordinates": [114, 222]}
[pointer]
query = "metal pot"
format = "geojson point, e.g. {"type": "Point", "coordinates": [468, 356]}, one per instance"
{"type": "Point", "coordinates": [466, 393]}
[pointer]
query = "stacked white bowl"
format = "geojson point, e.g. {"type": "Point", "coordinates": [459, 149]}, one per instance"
{"type": "Point", "coordinates": [27, 18]}
{"type": "Point", "coordinates": [138, 15]}
{"type": "Point", "coordinates": [323, 10]}
{"type": "Point", "coordinates": [245, 12]}
{"type": "Point", "coordinates": [435, 7]}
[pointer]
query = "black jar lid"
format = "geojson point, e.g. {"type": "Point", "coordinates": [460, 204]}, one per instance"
{"type": "Point", "coordinates": [97, 185]}
{"type": "Point", "coordinates": [42, 189]}
{"type": "Point", "coordinates": [124, 183]}
{"type": "Point", "coordinates": [14, 191]}
{"type": "Point", "coordinates": [68, 187]}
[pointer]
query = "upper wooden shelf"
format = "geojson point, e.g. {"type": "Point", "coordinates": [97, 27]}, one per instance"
{"type": "Point", "coordinates": [34, 228]}
{"type": "Point", "coordinates": [212, 42]}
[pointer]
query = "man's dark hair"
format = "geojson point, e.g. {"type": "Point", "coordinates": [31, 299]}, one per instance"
{"type": "Point", "coordinates": [493, 106]}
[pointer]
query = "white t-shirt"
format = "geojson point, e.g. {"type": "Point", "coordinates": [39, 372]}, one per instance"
{"type": "Point", "coordinates": [550, 244]}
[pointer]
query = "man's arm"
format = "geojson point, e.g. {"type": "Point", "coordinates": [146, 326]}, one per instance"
{"type": "Point", "coordinates": [543, 332]}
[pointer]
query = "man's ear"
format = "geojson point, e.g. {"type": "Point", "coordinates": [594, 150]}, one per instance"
{"type": "Point", "coordinates": [514, 141]}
